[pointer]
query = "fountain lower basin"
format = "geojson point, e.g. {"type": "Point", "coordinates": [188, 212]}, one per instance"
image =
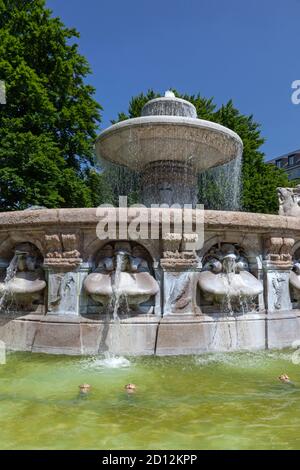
{"type": "Point", "coordinates": [268, 241]}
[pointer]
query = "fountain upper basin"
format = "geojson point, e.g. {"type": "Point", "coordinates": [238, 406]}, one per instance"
{"type": "Point", "coordinates": [139, 141]}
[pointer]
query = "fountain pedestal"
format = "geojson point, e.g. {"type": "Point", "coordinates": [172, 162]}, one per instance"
{"type": "Point", "coordinates": [283, 322]}
{"type": "Point", "coordinates": [64, 289]}
{"type": "Point", "coordinates": [180, 268]}
{"type": "Point", "coordinates": [168, 182]}
{"type": "Point", "coordinates": [277, 266]}
{"type": "Point", "coordinates": [180, 277]}
{"type": "Point", "coordinates": [277, 287]}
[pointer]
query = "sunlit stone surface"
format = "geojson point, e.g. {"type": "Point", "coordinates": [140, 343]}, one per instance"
{"type": "Point", "coordinates": [64, 290]}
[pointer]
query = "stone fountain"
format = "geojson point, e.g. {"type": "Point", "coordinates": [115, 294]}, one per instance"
{"type": "Point", "coordinates": [65, 289]}
{"type": "Point", "coordinates": [168, 145]}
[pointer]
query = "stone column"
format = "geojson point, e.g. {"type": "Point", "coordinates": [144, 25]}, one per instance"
{"type": "Point", "coordinates": [169, 182]}
{"type": "Point", "coordinates": [65, 274]}
{"type": "Point", "coordinates": [180, 275]}
{"type": "Point", "coordinates": [277, 265]}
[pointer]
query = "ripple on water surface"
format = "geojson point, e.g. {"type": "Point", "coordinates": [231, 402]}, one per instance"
{"type": "Point", "coordinates": [214, 401]}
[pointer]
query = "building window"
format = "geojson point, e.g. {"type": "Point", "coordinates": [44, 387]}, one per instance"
{"type": "Point", "coordinates": [279, 163]}
{"type": "Point", "coordinates": [292, 159]}
{"type": "Point", "coordinates": [294, 174]}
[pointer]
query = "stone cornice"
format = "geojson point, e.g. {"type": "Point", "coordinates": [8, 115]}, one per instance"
{"type": "Point", "coordinates": [213, 220]}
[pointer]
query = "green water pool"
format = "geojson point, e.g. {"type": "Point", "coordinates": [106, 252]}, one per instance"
{"type": "Point", "coordinates": [221, 401]}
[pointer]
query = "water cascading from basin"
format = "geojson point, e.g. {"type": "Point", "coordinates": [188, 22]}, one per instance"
{"type": "Point", "coordinates": [169, 146]}
{"type": "Point", "coordinates": [117, 295]}
{"type": "Point", "coordinates": [229, 266]}
{"type": "Point", "coordinates": [226, 280]}
{"type": "Point", "coordinates": [231, 304]}
{"type": "Point", "coordinates": [122, 181]}
{"type": "Point", "coordinates": [122, 281]}
{"type": "Point", "coordinates": [242, 303]}
{"type": "Point", "coordinates": [220, 187]}
{"type": "Point", "coordinates": [11, 272]}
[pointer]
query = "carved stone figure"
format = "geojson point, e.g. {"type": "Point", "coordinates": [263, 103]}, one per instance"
{"type": "Point", "coordinates": [278, 281]}
{"type": "Point", "coordinates": [122, 273]}
{"type": "Point", "coordinates": [24, 281]}
{"type": "Point", "coordinates": [62, 250]}
{"type": "Point", "coordinates": [289, 201]}
{"type": "Point", "coordinates": [225, 277]}
{"type": "Point", "coordinates": [62, 293]}
{"type": "Point", "coordinates": [180, 265]}
{"type": "Point", "coordinates": [278, 250]}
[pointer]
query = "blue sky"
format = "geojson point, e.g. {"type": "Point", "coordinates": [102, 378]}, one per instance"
{"type": "Point", "coordinates": [239, 49]}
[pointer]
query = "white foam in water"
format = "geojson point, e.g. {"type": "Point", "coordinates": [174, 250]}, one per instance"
{"type": "Point", "coordinates": [108, 361]}
{"type": "Point", "coordinates": [245, 359]}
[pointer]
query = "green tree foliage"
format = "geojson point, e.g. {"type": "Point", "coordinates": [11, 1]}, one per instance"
{"type": "Point", "coordinates": [48, 126]}
{"type": "Point", "coordinates": [259, 180]}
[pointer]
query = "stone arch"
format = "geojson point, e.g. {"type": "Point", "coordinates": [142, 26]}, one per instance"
{"type": "Point", "coordinates": [296, 250]}
{"type": "Point", "coordinates": [13, 242]}
{"type": "Point", "coordinates": [252, 254]}
{"type": "Point", "coordinates": [243, 290]}
{"type": "Point", "coordinates": [136, 263]}
{"type": "Point", "coordinates": [95, 245]}
{"type": "Point", "coordinates": [108, 248]}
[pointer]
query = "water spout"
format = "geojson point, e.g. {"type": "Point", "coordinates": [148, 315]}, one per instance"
{"type": "Point", "coordinates": [11, 272]}
{"type": "Point", "coordinates": [169, 94]}
{"type": "Point", "coordinates": [229, 264]}
{"type": "Point", "coordinates": [120, 265]}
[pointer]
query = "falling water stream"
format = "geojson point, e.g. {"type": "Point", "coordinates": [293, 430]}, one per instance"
{"type": "Point", "coordinates": [110, 359]}
{"type": "Point", "coordinates": [245, 304]}
{"type": "Point", "coordinates": [220, 187]}
{"type": "Point", "coordinates": [116, 285]}
{"type": "Point", "coordinates": [11, 271]}
{"type": "Point", "coordinates": [229, 267]}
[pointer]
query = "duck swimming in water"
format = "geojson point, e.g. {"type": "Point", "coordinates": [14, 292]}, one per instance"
{"type": "Point", "coordinates": [130, 388]}
{"type": "Point", "coordinates": [284, 378]}
{"type": "Point", "coordinates": [84, 388]}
